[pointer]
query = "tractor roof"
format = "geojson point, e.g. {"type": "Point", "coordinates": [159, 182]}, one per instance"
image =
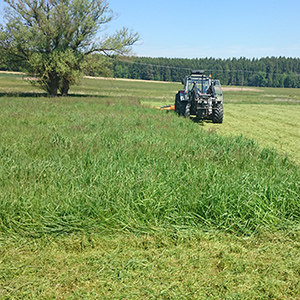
{"type": "Point", "coordinates": [197, 72]}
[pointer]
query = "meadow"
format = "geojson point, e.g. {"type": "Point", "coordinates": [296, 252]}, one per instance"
{"type": "Point", "coordinates": [102, 196]}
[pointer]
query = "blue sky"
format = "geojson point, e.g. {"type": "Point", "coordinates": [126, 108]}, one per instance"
{"type": "Point", "coordinates": [216, 28]}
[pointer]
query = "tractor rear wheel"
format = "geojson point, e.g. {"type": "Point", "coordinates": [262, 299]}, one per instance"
{"type": "Point", "coordinates": [187, 112]}
{"type": "Point", "coordinates": [177, 104]}
{"type": "Point", "coordinates": [217, 116]}
{"type": "Point", "coordinates": [181, 108]}
{"type": "Point", "coordinates": [180, 105]}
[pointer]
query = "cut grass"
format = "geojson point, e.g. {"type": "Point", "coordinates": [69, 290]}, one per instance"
{"type": "Point", "coordinates": [186, 265]}
{"type": "Point", "coordinates": [273, 126]}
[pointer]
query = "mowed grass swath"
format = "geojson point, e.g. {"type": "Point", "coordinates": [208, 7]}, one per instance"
{"type": "Point", "coordinates": [101, 161]}
{"type": "Point", "coordinates": [270, 116]}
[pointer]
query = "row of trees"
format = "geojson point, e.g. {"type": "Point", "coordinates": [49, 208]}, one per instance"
{"type": "Point", "coordinates": [264, 72]}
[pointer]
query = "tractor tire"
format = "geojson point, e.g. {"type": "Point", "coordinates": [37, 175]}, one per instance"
{"type": "Point", "coordinates": [187, 112]}
{"type": "Point", "coordinates": [181, 107]}
{"type": "Point", "coordinates": [217, 116]}
{"type": "Point", "coordinates": [177, 104]}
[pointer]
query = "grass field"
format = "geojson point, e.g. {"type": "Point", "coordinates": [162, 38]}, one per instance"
{"type": "Point", "coordinates": [104, 197]}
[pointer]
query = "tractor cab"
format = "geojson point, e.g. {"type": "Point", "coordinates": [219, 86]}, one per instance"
{"type": "Point", "coordinates": [204, 84]}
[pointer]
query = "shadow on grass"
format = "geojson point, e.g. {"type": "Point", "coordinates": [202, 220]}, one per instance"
{"type": "Point", "coordinates": [22, 94]}
{"type": "Point", "coordinates": [85, 96]}
{"type": "Point", "coordinates": [45, 95]}
{"type": "Point", "coordinates": [200, 121]}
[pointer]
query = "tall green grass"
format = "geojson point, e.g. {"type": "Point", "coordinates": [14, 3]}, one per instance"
{"type": "Point", "coordinates": [106, 163]}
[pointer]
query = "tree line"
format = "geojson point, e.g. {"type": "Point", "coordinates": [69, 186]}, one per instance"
{"type": "Point", "coordinates": [263, 72]}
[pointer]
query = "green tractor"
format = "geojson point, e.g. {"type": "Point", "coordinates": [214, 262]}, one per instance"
{"type": "Point", "coordinates": [202, 98]}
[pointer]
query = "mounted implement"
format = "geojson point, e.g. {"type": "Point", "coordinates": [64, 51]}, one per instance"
{"type": "Point", "coordinates": [202, 98]}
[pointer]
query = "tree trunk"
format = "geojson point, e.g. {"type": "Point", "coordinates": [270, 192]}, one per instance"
{"type": "Point", "coordinates": [64, 89]}
{"type": "Point", "coordinates": [52, 85]}
{"type": "Point", "coordinates": [52, 90]}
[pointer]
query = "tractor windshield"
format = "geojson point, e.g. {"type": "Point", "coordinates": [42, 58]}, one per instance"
{"type": "Point", "coordinates": [218, 90]}
{"type": "Point", "coordinates": [218, 87]}
{"type": "Point", "coordinates": [201, 84]}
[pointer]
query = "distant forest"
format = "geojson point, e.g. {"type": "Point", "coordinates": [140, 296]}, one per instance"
{"type": "Point", "coordinates": [263, 72]}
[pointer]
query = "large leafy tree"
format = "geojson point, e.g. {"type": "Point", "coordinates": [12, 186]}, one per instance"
{"type": "Point", "coordinates": [52, 39]}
